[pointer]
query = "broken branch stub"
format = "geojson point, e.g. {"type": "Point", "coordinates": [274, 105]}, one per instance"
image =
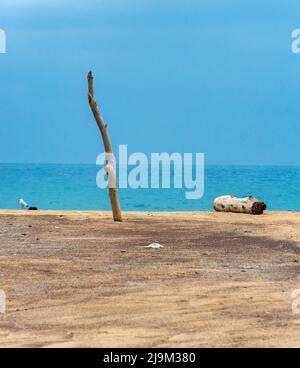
{"type": "Point", "coordinates": [110, 168]}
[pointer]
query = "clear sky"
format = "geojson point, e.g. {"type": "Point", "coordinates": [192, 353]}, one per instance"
{"type": "Point", "coordinates": [212, 76]}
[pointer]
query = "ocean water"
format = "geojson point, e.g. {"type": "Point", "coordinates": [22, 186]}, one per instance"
{"type": "Point", "coordinates": [73, 187]}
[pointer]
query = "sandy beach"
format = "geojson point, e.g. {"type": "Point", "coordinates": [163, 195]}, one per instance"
{"type": "Point", "coordinates": [77, 279]}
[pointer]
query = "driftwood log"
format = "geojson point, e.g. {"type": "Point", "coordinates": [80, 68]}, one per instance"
{"type": "Point", "coordinates": [110, 167]}
{"type": "Point", "coordinates": [229, 203]}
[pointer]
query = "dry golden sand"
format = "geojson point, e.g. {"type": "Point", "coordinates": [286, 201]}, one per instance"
{"type": "Point", "coordinates": [77, 279]}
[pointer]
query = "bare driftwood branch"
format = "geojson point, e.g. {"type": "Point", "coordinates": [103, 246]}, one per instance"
{"type": "Point", "coordinates": [231, 203]}
{"type": "Point", "coordinates": [110, 168]}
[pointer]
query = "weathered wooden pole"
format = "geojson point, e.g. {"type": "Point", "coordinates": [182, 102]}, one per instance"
{"type": "Point", "coordinates": [110, 167]}
{"type": "Point", "coordinates": [229, 203]}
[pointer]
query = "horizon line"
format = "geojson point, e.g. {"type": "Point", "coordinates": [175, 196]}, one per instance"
{"type": "Point", "coordinates": [91, 163]}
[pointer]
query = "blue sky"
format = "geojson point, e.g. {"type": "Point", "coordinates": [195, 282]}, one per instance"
{"type": "Point", "coordinates": [206, 76]}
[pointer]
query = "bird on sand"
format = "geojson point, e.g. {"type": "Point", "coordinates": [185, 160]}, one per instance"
{"type": "Point", "coordinates": [25, 206]}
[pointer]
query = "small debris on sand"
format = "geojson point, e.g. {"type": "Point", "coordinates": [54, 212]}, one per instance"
{"type": "Point", "coordinates": [154, 246]}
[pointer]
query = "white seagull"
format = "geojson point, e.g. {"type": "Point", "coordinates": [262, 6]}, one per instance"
{"type": "Point", "coordinates": [23, 204]}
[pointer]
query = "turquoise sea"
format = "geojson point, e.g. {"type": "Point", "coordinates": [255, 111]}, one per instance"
{"type": "Point", "coordinates": [73, 187]}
